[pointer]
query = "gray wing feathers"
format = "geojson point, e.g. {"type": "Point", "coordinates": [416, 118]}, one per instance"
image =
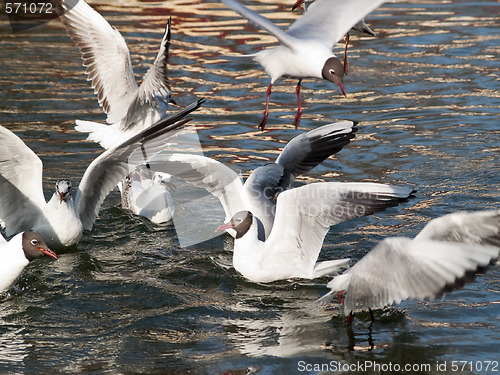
{"type": "Point", "coordinates": [21, 198]}
{"type": "Point", "coordinates": [154, 87]}
{"type": "Point", "coordinates": [400, 268]}
{"type": "Point", "coordinates": [261, 22]}
{"type": "Point", "coordinates": [482, 227]}
{"type": "Point", "coordinates": [306, 151]}
{"type": "Point", "coordinates": [317, 23]}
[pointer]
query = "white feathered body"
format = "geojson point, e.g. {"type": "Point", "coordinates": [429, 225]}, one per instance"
{"type": "Point", "coordinates": [56, 217]}
{"type": "Point", "coordinates": [12, 261]}
{"type": "Point", "coordinates": [305, 60]}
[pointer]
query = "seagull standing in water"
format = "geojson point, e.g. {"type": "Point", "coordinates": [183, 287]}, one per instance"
{"type": "Point", "coordinates": [17, 253]}
{"type": "Point", "coordinates": [439, 258]}
{"type": "Point", "coordinates": [62, 219]}
{"type": "Point", "coordinates": [305, 49]}
{"type": "Point", "coordinates": [303, 217]}
{"type": "Point", "coordinates": [281, 238]}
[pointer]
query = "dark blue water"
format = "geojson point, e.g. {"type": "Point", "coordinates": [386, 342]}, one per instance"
{"type": "Point", "coordinates": [129, 299]}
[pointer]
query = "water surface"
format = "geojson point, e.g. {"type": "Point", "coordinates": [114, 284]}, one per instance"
{"type": "Point", "coordinates": [129, 299]}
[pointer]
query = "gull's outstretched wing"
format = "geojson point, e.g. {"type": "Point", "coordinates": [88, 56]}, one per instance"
{"type": "Point", "coordinates": [481, 227]}
{"type": "Point", "coordinates": [154, 88]}
{"type": "Point", "coordinates": [21, 194]}
{"type": "Point", "coordinates": [304, 215]}
{"type": "Point", "coordinates": [307, 150]}
{"type": "Point", "coordinates": [104, 173]}
{"type": "Point", "coordinates": [400, 268]}
{"type": "Point", "coordinates": [330, 20]}
{"type": "Point", "coordinates": [105, 56]}
{"type": "Point", "coordinates": [261, 22]}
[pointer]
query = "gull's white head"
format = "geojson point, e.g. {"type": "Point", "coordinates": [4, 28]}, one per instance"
{"type": "Point", "coordinates": [63, 189]}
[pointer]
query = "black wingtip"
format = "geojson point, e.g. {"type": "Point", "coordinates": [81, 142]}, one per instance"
{"type": "Point", "coordinates": [170, 123]}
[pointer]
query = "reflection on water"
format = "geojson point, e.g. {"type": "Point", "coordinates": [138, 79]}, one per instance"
{"type": "Point", "coordinates": [130, 299]}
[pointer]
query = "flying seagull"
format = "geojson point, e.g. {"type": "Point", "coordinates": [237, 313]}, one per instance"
{"type": "Point", "coordinates": [438, 259]}
{"type": "Point", "coordinates": [305, 49]}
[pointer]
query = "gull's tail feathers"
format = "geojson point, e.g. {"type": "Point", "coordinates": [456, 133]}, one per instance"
{"type": "Point", "coordinates": [103, 134]}
{"type": "Point", "coordinates": [330, 267]}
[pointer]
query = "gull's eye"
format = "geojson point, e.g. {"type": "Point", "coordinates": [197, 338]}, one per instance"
{"type": "Point", "coordinates": [34, 242]}
{"type": "Point", "coordinates": [331, 71]}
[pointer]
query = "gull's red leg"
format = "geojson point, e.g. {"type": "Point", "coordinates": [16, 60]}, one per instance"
{"type": "Point", "coordinates": [345, 53]}
{"type": "Point", "coordinates": [262, 122]}
{"type": "Point", "coordinates": [349, 319]}
{"type": "Point", "coordinates": [298, 115]}
{"type": "Point", "coordinates": [339, 296]}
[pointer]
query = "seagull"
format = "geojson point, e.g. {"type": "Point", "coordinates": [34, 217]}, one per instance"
{"type": "Point", "coordinates": [439, 258]}
{"type": "Point", "coordinates": [305, 49]}
{"type": "Point", "coordinates": [17, 253]}
{"type": "Point", "coordinates": [281, 238]}
{"type": "Point", "coordinates": [130, 108]}
{"type": "Point", "coordinates": [148, 194]}
{"type": "Point", "coordinates": [360, 27]}
{"type": "Point", "coordinates": [62, 219]}
{"type": "Point", "coordinates": [303, 217]}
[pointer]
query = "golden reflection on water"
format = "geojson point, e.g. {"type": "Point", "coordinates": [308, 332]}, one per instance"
{"type": "Point", "coordinates": [425, 91]}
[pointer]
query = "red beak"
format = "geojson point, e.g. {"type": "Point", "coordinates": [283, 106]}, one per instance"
{"type": "Point", "coordinates": [61, 197]}
{"type": "Point", "coordinates": [342, 87]}
{"type": "Point", "coordinates": [48, 252]}
{"type": "Point", "coordinates": [225, 226]}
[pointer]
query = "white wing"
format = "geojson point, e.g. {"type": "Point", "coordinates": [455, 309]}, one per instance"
{"type": "Point", "coordinates": [209, 174]}
{"type": "Point", "coordinates": [330, 20]}
{"type": "Point", "coordinates": [104, 173]}
{"type": "Point", "coordinates": [482, 227]}
{"type": "Point", "coordinates": [154, 91]}
{"type": "Point", "coordinates": [304, 215]}
{"type": "Point", "coordinates": [21, 194]}
{"type": "Point", "coordinates": [400, 268]}
{"type": "Point", "coordinates": [105, 55]}
{"type": "Point", "coordinates": [261, 21]}
{"type": "Point", "coordinates": [299, 156]}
